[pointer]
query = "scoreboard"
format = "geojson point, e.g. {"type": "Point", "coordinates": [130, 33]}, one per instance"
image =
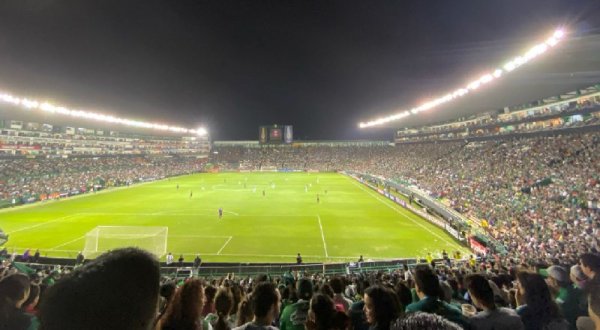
{"type": "Point", "coordinates": [275, 134]}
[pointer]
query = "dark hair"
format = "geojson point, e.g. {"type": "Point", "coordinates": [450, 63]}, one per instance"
{"type": "Point", "coordinates": [118, 290]}
{"type": "Point", "coordinates": [326, 289]}
{"type": "Point", "coordinates": [337, 285]}
{"type": "Point", "coordinates": [540, 305]}
{"type": "Point", "coordinates": [386, 305]}
{"type": "Point", "coordinates": [167, 290]}
{"type": "Point", "coordinates": [186, 306]}
{"type": "Point", "coordinates": [591, 260]}
{"type": "Point", "coordinates": [223, 306]}
{"type": "Point", "coordinates": [237, 294]}
{"type": "Point", "coordinates": [420, 320]}
{"type": "Point", "coordinates": [264, 296]}
{"type": "Point", "coordinates": [304, 288]}
{"type": "Point", "coordinates": [244, 311]}
{"type": "Point", "coordinates": [209, 294]}
{"type": "Point", "coordinates": [13, 288]}
{"type": "Point", "coordinates": [480, 288]}
{"type": "Point", "coordinates": [403, 293]}
{"type": "Point", "coordinates": [427, 281]}
{"type": "Point", "coordinates": [324, 310]}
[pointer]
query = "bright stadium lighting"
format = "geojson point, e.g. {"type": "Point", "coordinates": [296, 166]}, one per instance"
{"type": "Point", "coordinates": [28, 104]}
{"type": "Point", "coordinates": [474, 85]}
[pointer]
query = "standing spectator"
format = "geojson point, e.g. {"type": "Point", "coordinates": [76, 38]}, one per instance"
{"type": "Point", "coordinates": [492, 317]}
{"type": "Point", "coordinates": [324, 316]}
{"type": "Point", "coordinates": [294, 316]}
{"type": "Point", "coordinates": [180, 261]}
{"type": "Point", "coordinates": [223, 305]}
{"type": "Point", "coordinates": [79, 259]}
{"type": "Point", "coordinates": [209, 300]}
{"type": "Point", "coordinates": [337, 285]}
{"type": "Point", "coordinates": [14, 290]}
{"type": "Point", "coordinates": [265, 307]}
{"type": "Point", "coordinates": [382, 307]}
{"type": "Point", "coordinates": [30, 305]}
{"type": "Point", "coordinates": [169, 259]}
{"type": "Point", "coordinates": [536, 307]}
{"type": "Point", "coordinates": [594, 305]}
{"type": "Point", "coordinates": [185, 309]}
{"type": "Point", "coordinates": [197, 262]}
{"type": "Point", "coordinates": [299, 259]}
{"type": "Point", "coordinates": [36, 256]}
{"type": "Point", "coordinates": [118, 290]}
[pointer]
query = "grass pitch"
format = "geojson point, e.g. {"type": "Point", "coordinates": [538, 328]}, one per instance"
{"type": "Point", "coordinates": [349, 219]}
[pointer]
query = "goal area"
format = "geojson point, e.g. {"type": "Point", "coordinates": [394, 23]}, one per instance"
{"type": "Point", "coordinates": [106, 238]}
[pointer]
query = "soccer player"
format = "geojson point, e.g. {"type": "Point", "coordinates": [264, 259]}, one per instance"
{"type": "Point", "coordinates": [299, 259]}
{"type": "Point", "coordinates": [190, 194]}
{"type": "Point", "coordinates": [318, 199]}
{"type": "Point", "coordinates": [263, 192]}
{"type": "Point", "coordinates": [220, 212]}
{"type": "Point", "coordinates": [178, 186]}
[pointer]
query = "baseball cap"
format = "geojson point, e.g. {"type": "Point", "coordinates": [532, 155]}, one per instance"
{"type": "Point", "coordinates": [556, 272]}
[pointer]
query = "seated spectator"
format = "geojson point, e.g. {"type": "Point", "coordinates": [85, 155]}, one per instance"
{"type": "Point", "coordinates": [427, 287]}
{"type": "Point", "coordinates": [536, 306]}
{"type": "Point", "coordinates": [382, 307]}
{"type": "Point", "coordinates": [14, 291]}
{"type": "Point", "coordinates": [590, 264]}
{"type": "Point", "coordinates": [294, 316]}
{"type": "Point", "coordinates": [568, 297]}
{"type": "Point", "coordinates": [185, 309]}
{"type": "Point", "coordinates": [118, 290]}
{"type": "Point", "coordinates": [491, 317]}
{"type": "Point", "coordinates": [265, 307]}
{"type": "Point", "coordinates": [324, 316]}
{"type": "Point", "coordinates": [424, 321]}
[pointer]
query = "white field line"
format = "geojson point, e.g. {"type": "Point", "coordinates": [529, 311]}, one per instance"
{"type": "Point", "coordinates": [67, 243]}
{"type": "Point", "coordinates": [224, 245]}
{"type": "Point", "coordinates": [197, 236]}
{"type": "Point", "coordinates": [42, 224]}
{"type": "Point", "coordinates": [403, 215]}
{"type": "Point", "coordinates": [323, 236]}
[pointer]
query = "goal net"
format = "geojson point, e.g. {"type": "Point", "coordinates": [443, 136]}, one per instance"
{"type": "Point", "coordinates": [105, 238]}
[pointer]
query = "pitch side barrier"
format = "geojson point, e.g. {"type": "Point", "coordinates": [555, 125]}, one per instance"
{"type": "Point", "coordinates": [461, 226]}
{"type": "Point", "coordinates": [278, 269]}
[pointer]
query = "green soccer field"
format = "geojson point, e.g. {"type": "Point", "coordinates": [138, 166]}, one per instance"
{"type": "Point", "coordinates": [349, 220]}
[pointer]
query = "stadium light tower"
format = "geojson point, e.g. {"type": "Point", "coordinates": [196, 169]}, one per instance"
{"type": "Point", "coordinates": [29, 104]}
{"type": "Point", "coordinates": [472, 86]}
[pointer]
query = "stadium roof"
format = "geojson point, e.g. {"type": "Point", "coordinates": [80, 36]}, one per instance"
{"type": "Point", "coordinates": [574, 64]}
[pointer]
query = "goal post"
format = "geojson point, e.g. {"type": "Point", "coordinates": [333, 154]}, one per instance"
{"type": "Point", "coordinates": [105, 238]}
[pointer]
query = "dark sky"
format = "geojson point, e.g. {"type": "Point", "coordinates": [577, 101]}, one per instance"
{"type": "Point", "coordinates": [321, 66]}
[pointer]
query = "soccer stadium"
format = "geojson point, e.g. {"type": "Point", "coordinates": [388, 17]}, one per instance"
{"type": "Point", "coordinates": [181, 203]}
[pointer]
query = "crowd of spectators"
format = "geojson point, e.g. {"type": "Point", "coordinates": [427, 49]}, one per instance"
{"type": "Point", "coordinates": [26, 180]}
{"type": "Point", "coordinates": [538, 196]}
{"type": "Point", "coordinates": [123, 289]}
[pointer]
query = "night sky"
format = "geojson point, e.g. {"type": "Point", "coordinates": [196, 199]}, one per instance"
{"type": "Point", "coordinates": [321, 66]}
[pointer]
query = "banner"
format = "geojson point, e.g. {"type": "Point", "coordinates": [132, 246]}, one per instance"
{"type": "Point", "coordinates": [288, 134]}
{"type": "Point", "coordinates": [262, 134]}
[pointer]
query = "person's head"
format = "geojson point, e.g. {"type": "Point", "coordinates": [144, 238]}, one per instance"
{"type": "Point", "coordinates": [480, 291]}
{"type": "Point", "coordinates": [265, 302]}
{"type": "Point", "coordinates": [594, 304]}
{"type": "Point", "coordinates": [556, 277]}
{"type": "Point", "coordinates": [326, 289]}
{"type": "Point", "coordinates": [305, 289]}
{"type": "Point", "coordinates": [34, 296]}
{"type": "Point", "coordinates": [577, 276]}
{"type": "Point", "coordinates": [382, 306]}
{"type": "Point", "coordinates": [118, 290]}
{"type": "Point", "coordinates": [337, 285]}
{"type": "Point", "coordinates": [209, 294]}
{"type": "Point", "coordinates": [14, 291]}
{"type": "Point", "coordinates": [223, 306]}
{"type": "Point", "coordinates": [420, 320]}
{"type": "Point", "coordinates": [322, 311]}
{"type": "Point", "coordinates": [537, 295]}
{"type": "Point", "coordinates": [167, 290]}
{"type": "Point", "coordinates": [403, 293]}
{"type": "Point", "coordinates": [186, 305]}
{"type": "Point", "coordinates": [590, 264]}
{"type": "Point", "coordinates": [426, 282]}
